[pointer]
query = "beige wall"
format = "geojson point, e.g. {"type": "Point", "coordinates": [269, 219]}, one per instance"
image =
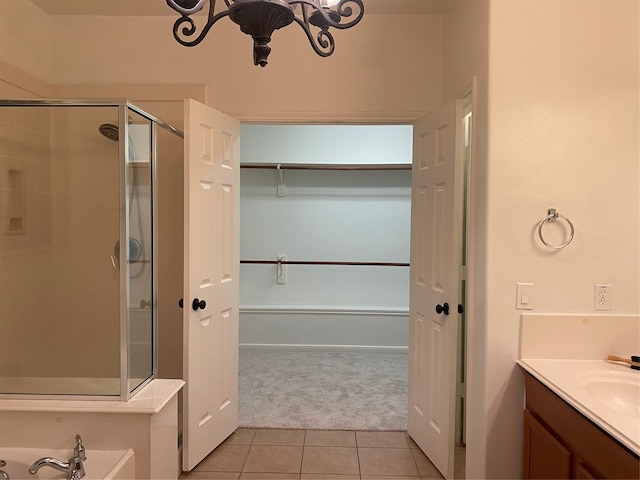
{"type": "Point", "coordinates": [25, 36]}
{"type": "Point", "coordinates": [561, 131]}
{"type": "Point", "coordinates": [556, 121]}
{"type": "Point", "coordinates": [385, 66]}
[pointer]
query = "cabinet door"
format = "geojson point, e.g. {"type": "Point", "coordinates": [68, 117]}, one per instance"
{"type": "Point", "coordinates": [583, 472]}
{"type": "Point", "coordinates": [544, 456]}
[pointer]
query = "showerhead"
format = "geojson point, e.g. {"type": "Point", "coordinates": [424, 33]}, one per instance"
{"type": "Point", "coordinates": [110, 131]}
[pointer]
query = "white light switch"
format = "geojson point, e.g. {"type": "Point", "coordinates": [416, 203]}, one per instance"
{"type": "Point", "coordinates": [524, 296]}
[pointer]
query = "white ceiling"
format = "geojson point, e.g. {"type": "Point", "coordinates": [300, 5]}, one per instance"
{"type": "Point", "coordinates": [160, 7]}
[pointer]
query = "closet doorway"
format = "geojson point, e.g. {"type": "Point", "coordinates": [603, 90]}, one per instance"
{"type": "Point", "coordinates": [324, 278]}
{"type": "Point", "coordinates": [354, 288]}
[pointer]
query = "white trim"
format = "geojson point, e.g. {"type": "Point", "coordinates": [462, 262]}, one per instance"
{"type": "Point", "coordinates": [324, 348]}
{"type": "Point", "coordinates": [365, 118]}
{"type": "Point", "coordinates": [325, 310]}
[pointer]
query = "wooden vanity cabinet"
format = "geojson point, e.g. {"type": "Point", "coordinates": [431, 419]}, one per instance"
{"type": "Point", "coordinates": [560, 442]}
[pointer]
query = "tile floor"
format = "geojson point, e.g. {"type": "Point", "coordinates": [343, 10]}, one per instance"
{"type": "Point", "coordinates": [315, 455]}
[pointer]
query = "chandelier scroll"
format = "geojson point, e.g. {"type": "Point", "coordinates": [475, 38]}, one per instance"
{"type": "Point", "coordinates": [260, 18]}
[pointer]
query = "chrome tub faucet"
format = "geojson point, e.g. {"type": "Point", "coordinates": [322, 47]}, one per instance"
{"type": "Point", "coordinates": [74, 468]}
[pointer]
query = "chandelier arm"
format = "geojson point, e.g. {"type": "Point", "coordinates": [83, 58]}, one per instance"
{"type": "Point", "coordinates": [344, 9]}
{"type": "Point", "coordinates": [324, 45]}
{"type": "Point", "coordinates": [188, 11]}
{"type": "Point", "coordinates": [190, 29]}
{"type": "Point", "coordinates": [305, 15]}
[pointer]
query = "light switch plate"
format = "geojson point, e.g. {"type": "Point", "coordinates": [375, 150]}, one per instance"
{"type": "Point", "coordinates": [524, 296]}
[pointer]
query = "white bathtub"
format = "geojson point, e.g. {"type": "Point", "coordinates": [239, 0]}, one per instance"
{"type": "Point", "coordinates": [100, 464]}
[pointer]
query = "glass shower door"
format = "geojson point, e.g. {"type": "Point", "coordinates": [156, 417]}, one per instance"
{"type": "Point", "coordinates": [140, 249]}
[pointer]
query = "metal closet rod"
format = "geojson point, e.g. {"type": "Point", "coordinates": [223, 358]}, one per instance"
{"type": "Point", "coordinates": [299, 262]}
{"type": "Point", "coordinates": [326, 166]}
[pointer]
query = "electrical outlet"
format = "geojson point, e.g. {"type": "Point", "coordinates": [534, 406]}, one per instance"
{"type": "Point", "coordinates": [602, 297]}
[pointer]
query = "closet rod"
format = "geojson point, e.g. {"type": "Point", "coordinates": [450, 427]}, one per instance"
{"type": "Point", "coordinates": [318, 166]}
{"type": "Point", "coordinates": [298, 262]}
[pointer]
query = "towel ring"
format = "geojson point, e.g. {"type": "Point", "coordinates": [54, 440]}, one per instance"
{"type": "Point", "coordinates": [552, 216]}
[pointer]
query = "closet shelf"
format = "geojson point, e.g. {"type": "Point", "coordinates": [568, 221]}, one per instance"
{"type": "Point", "coordinates": [299, 262]}
{"type": "Point", "coordinates": [281, 188]}
{"type": "Point", "coordinates": [318, 166]}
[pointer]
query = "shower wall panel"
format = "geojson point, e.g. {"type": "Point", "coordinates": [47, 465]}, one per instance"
{"type": "Point", "coordinates": [86, 213]}
{"type": "Point", "coordinates": [25, 238]}
{"type": "Point", "coordinates": [59, 288]}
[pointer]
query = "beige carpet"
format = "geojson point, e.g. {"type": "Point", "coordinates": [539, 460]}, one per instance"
{"type": "Point", "coordinates": [323, 390]}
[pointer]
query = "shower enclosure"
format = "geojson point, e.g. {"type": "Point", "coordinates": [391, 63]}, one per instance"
{"type": "Point", "coordinates": [78, 276]}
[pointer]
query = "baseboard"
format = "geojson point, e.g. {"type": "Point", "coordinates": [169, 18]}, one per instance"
{"type": "Point", "coordinates": [325, 348]}
{"type": "Point", "coordinates": [324, 310]}
{"type": "Point", "coordinates": [326, 330]}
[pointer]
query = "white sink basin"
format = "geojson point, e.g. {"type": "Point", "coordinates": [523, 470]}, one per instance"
{"type": "Point", "coordinates": [618, 391]}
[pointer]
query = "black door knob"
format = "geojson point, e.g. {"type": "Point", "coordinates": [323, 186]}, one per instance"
{"type": "Point", "coordinates": [198, 304]}
{"type": "Point", "coordinates": [444, 308]}
{"type": "Point", "coordinates": [181, 303]}
{"type": "Point", "coordinates": [460, 308]}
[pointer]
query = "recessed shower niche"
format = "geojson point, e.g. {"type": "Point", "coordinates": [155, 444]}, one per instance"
{"type": "Point", "coordinates": [77, 248]}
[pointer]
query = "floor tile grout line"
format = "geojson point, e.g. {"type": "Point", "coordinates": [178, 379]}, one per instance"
{"type": "Point", "coordinates": [304, 441]}
{"type": "Point", "coordinates": [246, 457]}
{"type": "Point", "coordinates": [358, 457]}
{"type": "Point", "coordinates": [415, 462]}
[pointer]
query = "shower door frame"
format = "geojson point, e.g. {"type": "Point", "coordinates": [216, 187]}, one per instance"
{"type": "Point", "coordinates": [124, 106]}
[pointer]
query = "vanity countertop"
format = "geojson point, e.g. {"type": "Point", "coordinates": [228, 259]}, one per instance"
{"type": "Point", "coordinates": [567, 353]}
{"type": "Point", "coordinates": [565, 377]}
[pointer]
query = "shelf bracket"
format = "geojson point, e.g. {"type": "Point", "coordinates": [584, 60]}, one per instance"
{"type": "Point", "coordinates": [281, 190]}
{"type": "Point", "coordinates": [281, 271]}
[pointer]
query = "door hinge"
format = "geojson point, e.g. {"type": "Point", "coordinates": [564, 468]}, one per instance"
{"type": "Point", "coordinates": [463, 272]}
{"type": "Point", "coordinates": [461, 390]}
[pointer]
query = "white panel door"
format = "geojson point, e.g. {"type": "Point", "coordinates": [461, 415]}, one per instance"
{"type": "Point", "coordinates": [211, 268]}
{"type": "Point", "coordinates": [436, 235]}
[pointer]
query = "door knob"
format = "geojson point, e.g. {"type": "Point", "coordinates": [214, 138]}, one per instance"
{"type": "Point", "coordinates": [460, 308]}
{"type": "Point", "coordinates": [444, 308]}
{"type": "Point", "coordinates": [181, 303]}
{"type": "Point", "coordinates": [198, 304]}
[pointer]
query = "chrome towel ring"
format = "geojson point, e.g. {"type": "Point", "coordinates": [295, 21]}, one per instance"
{"type": "Point", "coordinates": [552, 216]}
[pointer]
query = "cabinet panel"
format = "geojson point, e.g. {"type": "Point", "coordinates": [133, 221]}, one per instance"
{"type": "Point", "coordinates": [583, 472]}
{"type": "Point", "coordinates": [596, 454]}
{"type": "Point", "coordinates": [544, 455]}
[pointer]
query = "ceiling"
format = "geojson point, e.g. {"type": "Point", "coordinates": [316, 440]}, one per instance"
{"type": "Point", "coordinates": [160, 7]}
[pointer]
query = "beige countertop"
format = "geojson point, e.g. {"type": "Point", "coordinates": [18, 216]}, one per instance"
{"type": "Point", "coordinates": [566, 378]}
{"type": "Point", "coordinates": [567, 353]}
{"type": "Point", "coordinates": [149, 400]}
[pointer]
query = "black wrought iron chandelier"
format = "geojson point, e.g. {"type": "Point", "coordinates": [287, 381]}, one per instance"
{"type": "Point", "coordinates": [260, 18]}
